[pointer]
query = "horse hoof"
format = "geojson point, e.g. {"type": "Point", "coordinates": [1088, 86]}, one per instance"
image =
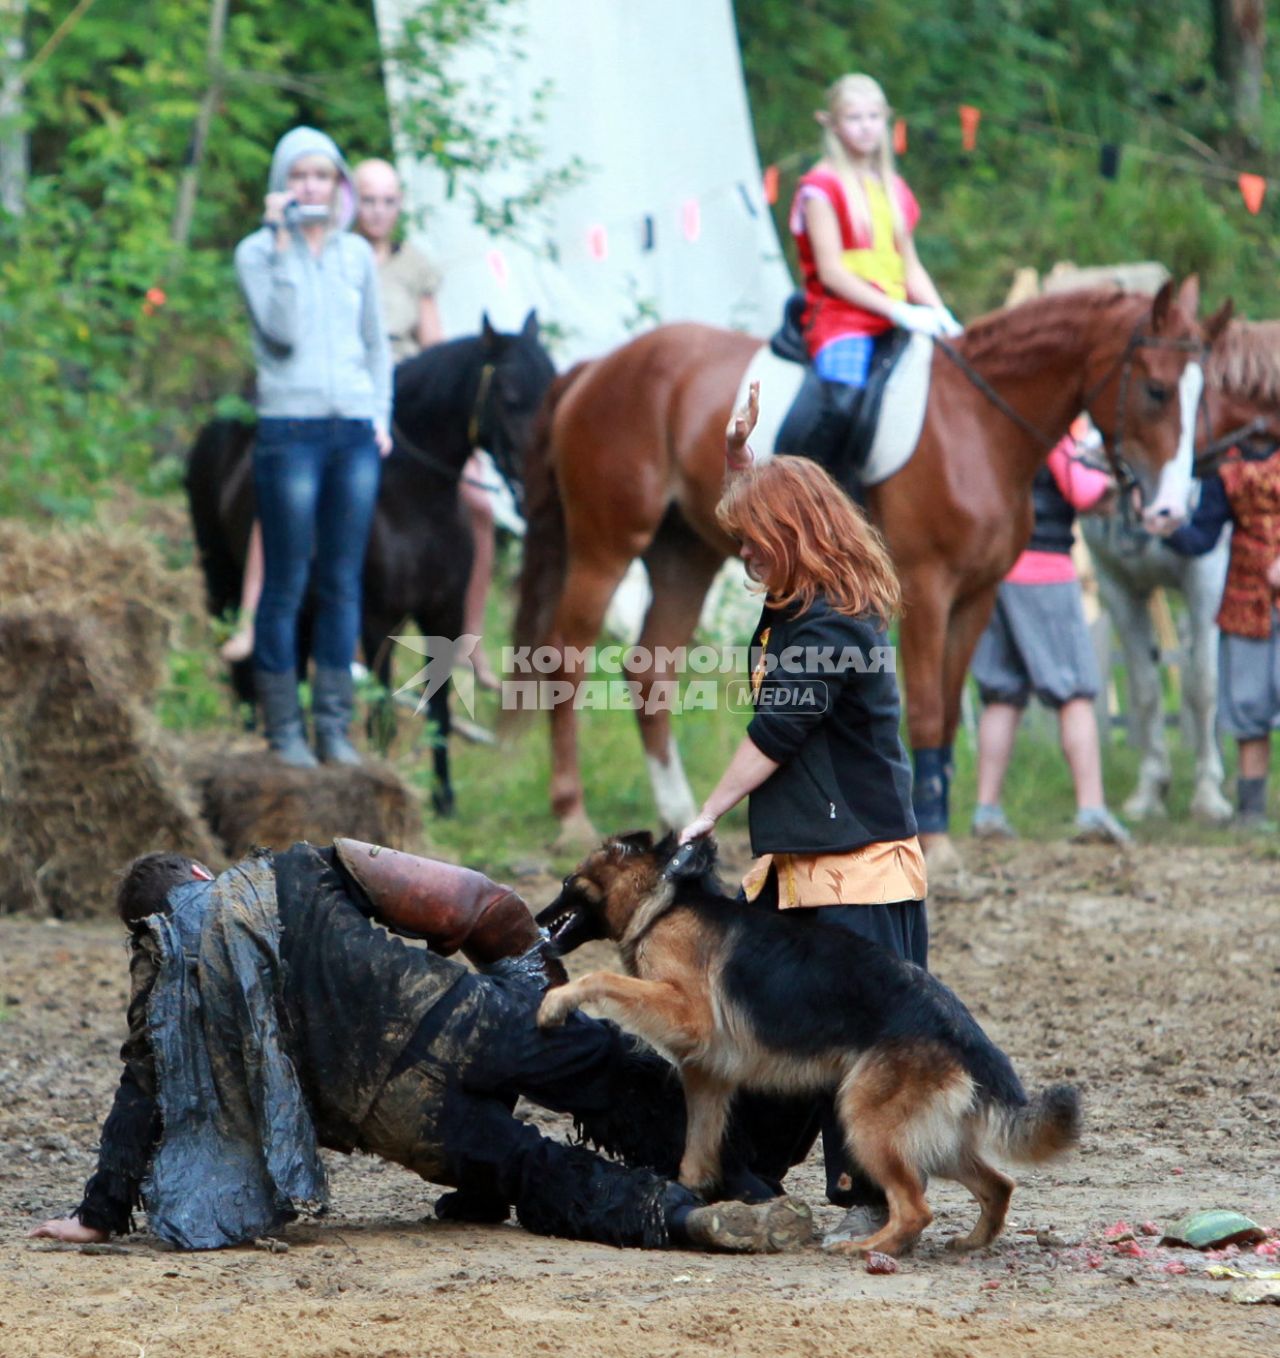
{"type": "Point", "coordinates": [947, 875]}
{"type": "Point", "coordinates": [577, 834]}
{"type": "Point", "coordinates": [1210, 806]}
{"type": "Point", "coordinates": [1144, 806]}
{"type": "Point", "coordinates": [443, 802]}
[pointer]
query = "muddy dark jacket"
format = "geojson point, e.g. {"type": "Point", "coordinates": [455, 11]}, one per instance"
{"type": "Point", "coordinates": [351, 999]}
{"type": "Point", "coordinates": [828, 711]}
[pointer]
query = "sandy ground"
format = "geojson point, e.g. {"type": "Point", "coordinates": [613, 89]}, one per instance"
{"type": "Point", "coordinates": [1149, 978]}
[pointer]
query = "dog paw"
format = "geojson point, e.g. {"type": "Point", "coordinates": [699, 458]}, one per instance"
{"type": "Point", "coordinates": [848, 1248]}
{"type": "Point", "coordinates": [553, 1010]}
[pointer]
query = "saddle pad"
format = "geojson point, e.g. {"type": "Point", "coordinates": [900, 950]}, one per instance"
{"type": "Point", "coordinates": [902, 407]}
{"type": "Point", "coordinates": [901, 410]}
{"type": "Point", "coordinates": [780, 381]}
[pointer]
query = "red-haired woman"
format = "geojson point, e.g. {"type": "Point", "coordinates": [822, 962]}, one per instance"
{"type": "Point", "coordinates": [822, 764]}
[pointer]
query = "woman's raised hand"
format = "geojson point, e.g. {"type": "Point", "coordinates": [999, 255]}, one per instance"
{"type": "Point", "coordinates": [737, 453]}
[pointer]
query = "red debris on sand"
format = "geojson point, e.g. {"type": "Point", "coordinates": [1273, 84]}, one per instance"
{"type": "Point", "coordinates": [881, 1263]}
{"type": "Point", "coordinates": [1120, 1230]}
{"type": "Point", "coordinates": [1173, 1266]}
{"type": "Point", "coordinates": [1177, 1169]}
{"type": "Point", "coordinates": [1093, 1258]}
{"type": "Point", "coordinates": [989, 1286]}
{"type": "Point", "coordinates": [1130, 1249]}
{"type": "Point", "coordinates": [1269, 1249]}
{"type": "Point", "coordinates": [1150, 1228]}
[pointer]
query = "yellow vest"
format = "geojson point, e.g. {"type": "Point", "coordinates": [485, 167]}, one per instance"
{"type": "Point", "coordinates": [881, 264]}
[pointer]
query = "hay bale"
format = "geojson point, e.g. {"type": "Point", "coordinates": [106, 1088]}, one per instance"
{"type": "Point", "coordinates": [114, 585]}
{"type": "Point", "coordinates": [252, 799]}
{"type": "Point", "coordinates": [86, 782]}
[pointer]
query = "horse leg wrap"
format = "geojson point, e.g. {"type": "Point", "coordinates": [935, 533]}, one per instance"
{"type": "Point", "coordinates": [931, 790]}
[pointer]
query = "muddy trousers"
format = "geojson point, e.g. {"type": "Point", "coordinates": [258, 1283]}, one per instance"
{"type": "Point", "coordinates": [445, 1112]}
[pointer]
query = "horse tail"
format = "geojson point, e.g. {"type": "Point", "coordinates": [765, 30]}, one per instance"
{"type": "Point", "coordinates": [542, 571]}
{"type": "Point", "coordinates": [217, 448]}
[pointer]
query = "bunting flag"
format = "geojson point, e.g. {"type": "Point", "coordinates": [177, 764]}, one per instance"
{"type": "Point", "coordinates": [1253, 188]}
{"type": "Point", "coordinates": [647, 232]}
{"type": "Point", "coordinates": [970, 117]}
{"type": "Point", "coordinates": [1108, 160]}
{"type": "Point", "coordinates": [900, 137]}
{"type": "Point", "coordinates": [691, 219]}
{"type": "Point", "coordinates": [771, 184]}
{"type": "Point", "coordinates": [598, 243]}
{"type": "Point", "coordinates": [497, 262]}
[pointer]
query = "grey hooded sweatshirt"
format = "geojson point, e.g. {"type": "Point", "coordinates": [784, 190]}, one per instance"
{"type": "Point", "coordinates": [318, 337]}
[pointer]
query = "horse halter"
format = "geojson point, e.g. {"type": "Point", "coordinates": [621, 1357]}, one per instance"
{"type": "Point", "coordinates": [475, 422]}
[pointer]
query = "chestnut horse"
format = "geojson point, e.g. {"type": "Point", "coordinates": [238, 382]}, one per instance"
{"type": "Point", "coordinates": [628, 462]}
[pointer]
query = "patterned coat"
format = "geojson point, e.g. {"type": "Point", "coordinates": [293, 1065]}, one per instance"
{"type": "Point", "coordinates": [1253, 495]}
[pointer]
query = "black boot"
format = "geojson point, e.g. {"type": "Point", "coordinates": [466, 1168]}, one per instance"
{"type": "Point", "coordinates": [282, 717]}
{"type": "Point", "coordinates": [333, 703]}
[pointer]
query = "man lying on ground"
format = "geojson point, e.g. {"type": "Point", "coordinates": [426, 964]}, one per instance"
{"type": "Point", "coordinates": [269, 1015]}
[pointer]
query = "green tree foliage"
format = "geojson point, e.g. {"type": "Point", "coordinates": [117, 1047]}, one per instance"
{"type": "Point", "coordinates": [1053, 78]}
{"type": "Point", "coordinates": [117, 343]}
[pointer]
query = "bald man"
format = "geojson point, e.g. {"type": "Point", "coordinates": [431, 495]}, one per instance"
{"type": "Point", "coordinates": [409, 280]}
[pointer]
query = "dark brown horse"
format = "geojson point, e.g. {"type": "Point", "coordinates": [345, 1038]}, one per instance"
{"type": "Point", "coordinates": [481, 391]}
{"type": "Point", "coordinates": [630, 463]}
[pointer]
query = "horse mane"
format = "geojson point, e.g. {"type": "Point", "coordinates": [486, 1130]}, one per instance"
{"type": "Point", "coordinates": [436, 379]}
{"type": "Point", "coordinates": [1245, 362]}
{"type": "Point", "coordinates": [1016, 341]}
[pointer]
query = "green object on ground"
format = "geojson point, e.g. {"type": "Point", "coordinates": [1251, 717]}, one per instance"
{"type": "Point", "coordinates": [1210, 1230]}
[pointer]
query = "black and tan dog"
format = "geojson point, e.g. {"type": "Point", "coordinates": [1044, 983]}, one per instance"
{"type": "Point", "coordinates": [744, 998]}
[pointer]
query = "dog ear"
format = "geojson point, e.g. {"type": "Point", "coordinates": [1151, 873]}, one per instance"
{"type": "Point", "coordinates": [635, 841]}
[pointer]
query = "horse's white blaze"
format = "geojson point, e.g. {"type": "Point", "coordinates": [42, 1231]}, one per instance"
{"type": "Point", "coordinates": [671, 789]}
{"type": "Point", "coordinates": [1173, 492]}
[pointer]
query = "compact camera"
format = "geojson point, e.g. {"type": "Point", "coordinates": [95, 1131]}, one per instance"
{"type": "Point", "coordinates": [305, 214]}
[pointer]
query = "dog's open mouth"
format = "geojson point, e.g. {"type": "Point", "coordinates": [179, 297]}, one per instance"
{"type": "Point", "coordinates": [558, 921]}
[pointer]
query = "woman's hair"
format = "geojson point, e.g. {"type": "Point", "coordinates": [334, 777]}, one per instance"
{"type": "Point", "coordinates": [839, 92]}
{"type": "Point", "coordinates": [145, 884]}
{"type": "Point", "coordinates": [813, 537]}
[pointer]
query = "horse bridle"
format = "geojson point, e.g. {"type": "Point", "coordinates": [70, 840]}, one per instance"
{"type": "Point", "coordinates": [1126, 480]}
{"type": "Point", "coordinates": [475, 422]}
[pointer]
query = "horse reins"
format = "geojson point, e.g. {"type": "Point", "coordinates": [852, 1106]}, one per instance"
{"type": "Point", "coordinates": [474, 422]}
{"type": "Point", "coordinates": [1123, 364]}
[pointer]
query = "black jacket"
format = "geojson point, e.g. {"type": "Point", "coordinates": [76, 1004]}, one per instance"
{"type": "Point", "coordinates": [828, 711]}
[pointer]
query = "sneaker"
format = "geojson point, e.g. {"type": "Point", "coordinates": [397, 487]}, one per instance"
{"type": "Point", "coordinates": [750, 1228]}
{"type": "Point", "coordinates": [989, 822]}
{"type": "Point", "coordinates": [1096, 825]}
{"type": "Point", "coordinates": [858, 1223]}
{"type": "Point", "coordinates": [1253, 823]}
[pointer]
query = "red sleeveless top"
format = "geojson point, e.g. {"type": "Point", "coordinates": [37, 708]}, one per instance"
{"type": "Point", "coordinates": [827, 317]}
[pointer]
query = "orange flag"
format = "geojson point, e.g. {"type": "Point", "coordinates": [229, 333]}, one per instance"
{"type": "Point", "coordinates": [771, 184]}
{"type": "Point", "coordinates": [1253, 188]}
{"type": "Point", "coordinates": [900, 137]}
{"type": "Point", "coordinates": [970, 117]}
{"type": "Point", "coordinates": [691, 219]}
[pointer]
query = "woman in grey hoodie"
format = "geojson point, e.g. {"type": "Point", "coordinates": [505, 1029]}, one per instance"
{"type": "Point", "coordinates": [324, 408]}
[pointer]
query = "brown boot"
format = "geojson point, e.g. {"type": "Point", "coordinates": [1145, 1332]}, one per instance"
{"type": "Point", "coordinates": [454, 909]}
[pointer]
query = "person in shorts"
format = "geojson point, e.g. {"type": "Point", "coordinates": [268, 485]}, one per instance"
{"type": "Point", "coordinates": [1037, 642]}
{"type": "Point", "coordinates": [1245, 492]}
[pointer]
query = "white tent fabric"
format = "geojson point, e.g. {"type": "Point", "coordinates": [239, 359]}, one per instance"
{"type": "Point", "coordinates": [669, 222]}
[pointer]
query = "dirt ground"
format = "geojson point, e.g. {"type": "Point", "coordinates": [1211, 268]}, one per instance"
{"type": "Point", "coordinates": [1150, 978]}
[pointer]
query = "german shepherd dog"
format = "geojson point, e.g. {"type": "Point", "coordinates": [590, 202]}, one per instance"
{"type": "Point", "coordinates": [744, 998]}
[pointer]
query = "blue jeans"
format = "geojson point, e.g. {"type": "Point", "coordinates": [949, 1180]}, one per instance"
{"type": "Point", "coordinates": [316, 482]}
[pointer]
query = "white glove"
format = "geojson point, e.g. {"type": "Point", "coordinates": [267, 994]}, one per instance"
{"type": "Point", "coordinates": [924, 320]}
{"type": "Point", "coordinates": [950, 326]}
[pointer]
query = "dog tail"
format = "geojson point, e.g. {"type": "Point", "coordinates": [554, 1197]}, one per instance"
{"type": "Point", "coordinates": [1044, 1127]}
